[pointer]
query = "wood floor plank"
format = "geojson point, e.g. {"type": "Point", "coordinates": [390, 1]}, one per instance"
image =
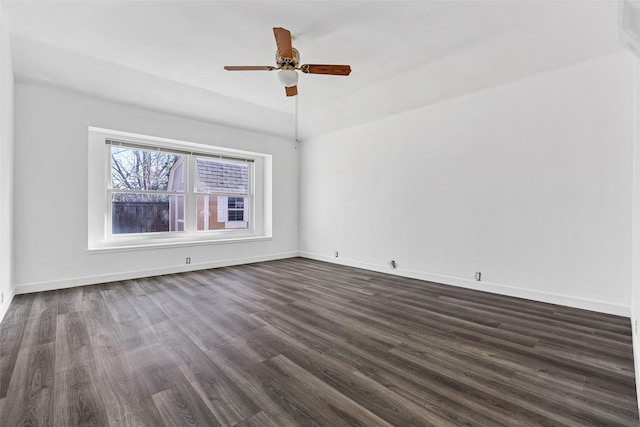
{"type": "Point", "coordinates": [261, 419]}
{"type": "Point", "coordinates": [45, 312]}
{"type": "Point", "coordinates": [122, 386]}
{"type": "Point", "coordinates": [224, 398]}
{"type": "Point", "coordinates": [69, 299]}
{"type": "Point", "coordinates": [254, 389]}
{"type": "Point", "coordinates": [335, 407]}
{"type": "Point", "coordinates": [181, 406]}
{"type": "Point", "coordinates": [29, 400]}
{"type": "Point", "coordinates": [11, 333]}
{"type": "Point", "coordinates": [298, 342]}
{"type": "Point", "coordinates": [76, 397]}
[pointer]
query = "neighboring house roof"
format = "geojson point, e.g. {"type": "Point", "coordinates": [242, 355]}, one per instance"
{"type": "Point", "coordinates": [225, 177]}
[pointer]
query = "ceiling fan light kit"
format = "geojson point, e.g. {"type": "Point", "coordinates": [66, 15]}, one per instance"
{"type": "Point", "coordinates": [288, 78]}
{"type": "Point", "coordinates": [288, 61]}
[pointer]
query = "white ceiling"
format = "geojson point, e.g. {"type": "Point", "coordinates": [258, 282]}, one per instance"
{"type": "Point", "coordinates": [169, 55]}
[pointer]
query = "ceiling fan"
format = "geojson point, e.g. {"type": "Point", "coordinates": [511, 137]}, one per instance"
{"type": "Point", "coordinates": [288, 61]}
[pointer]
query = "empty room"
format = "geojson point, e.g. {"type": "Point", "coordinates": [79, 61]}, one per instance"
{"type": "Point", "coordinates": [320, 213]}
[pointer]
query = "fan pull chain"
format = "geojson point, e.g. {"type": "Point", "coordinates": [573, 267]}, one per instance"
{"type": "Point", "coordinates": [296, 122]}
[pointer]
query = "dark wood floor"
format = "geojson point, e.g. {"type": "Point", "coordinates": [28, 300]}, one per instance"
{"type": "Point", "coordinates": [300, 342]}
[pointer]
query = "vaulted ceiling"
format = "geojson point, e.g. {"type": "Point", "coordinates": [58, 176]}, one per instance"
{"type": "Point", "coordinates": [169, 55]}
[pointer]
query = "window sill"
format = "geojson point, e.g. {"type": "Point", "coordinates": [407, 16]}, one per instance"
{"type": "Point", "coordinates": [137, 245]}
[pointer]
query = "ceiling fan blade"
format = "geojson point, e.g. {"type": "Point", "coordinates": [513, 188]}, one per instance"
{"type": "Point", "coordinates": [334, 70]}
{"type": "Point", "coordinates": [283, 41]}
{"type": "Point", "coordinates": [249, 68]}
{"type": "Point", "coordinates": [292, 91]}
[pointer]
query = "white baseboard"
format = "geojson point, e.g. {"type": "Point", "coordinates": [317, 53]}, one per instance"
{"type": "Point", "coordinates": [552, 298]}
{"type": "Point", "coordinates": [6, 302]}
{"type": "Point", "coordinates": [496, 288]}
{"type": "Point", "coordinates": [26, 288]}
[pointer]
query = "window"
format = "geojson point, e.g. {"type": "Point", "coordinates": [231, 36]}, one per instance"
{"type": "Point", "coordinates": [235, 208]}
{"type": "Point", "coordinates": [148, 194]}
{"type": "Point", "coordinates": [158, 191]}
{"type": "Point", "coordinates": [140, 197]}
{"type": "Point", "coordinates": [219, 184]}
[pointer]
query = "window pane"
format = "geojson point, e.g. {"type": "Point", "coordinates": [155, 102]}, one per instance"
{"type": "Point", "coordinates": [236, 215]}
{"type": "Point", "coordinates": [220, 176]}
{"type": "Point", "coordinates": [214, 213]}
{"type": "Point", "coordinates": [135, 169]}
{"type": "Point", "coordinates": [146, 213]}
{"type": "Point", "coordinates": [236, 202]}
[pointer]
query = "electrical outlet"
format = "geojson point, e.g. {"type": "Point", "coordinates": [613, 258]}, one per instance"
{"type": "Point", "coordinates": [188, 260]}
{"type": "Point", "coordinates": [336, 254]}
{"type": "Point", "coordinates": [478, 276]}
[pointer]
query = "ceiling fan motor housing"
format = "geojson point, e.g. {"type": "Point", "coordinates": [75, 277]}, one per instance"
{"type": "Point", "coordinates": [288, 63]}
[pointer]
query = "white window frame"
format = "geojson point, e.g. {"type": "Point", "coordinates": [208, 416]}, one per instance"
{"type": "Point", "coordinates": [100, 236]}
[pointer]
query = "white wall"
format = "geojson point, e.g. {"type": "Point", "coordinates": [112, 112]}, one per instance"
{"type": "Point", "coordinates": [635, 300]}
{"type": "Point", "coordinates": [51, 132]}
{"type": "Point", "coordinates": [6, 166]}
{"type": "Point", "coordinates": [529, 183]}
